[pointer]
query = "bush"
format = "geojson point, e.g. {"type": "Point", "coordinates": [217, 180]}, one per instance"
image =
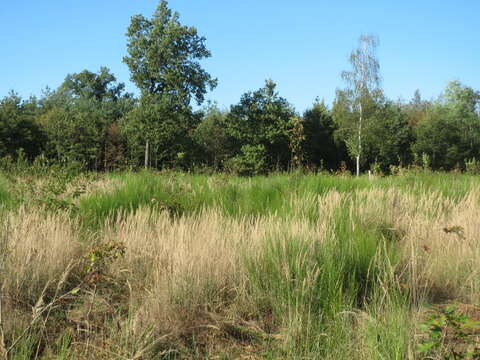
{"type": "Point", "coordinates": [472, 166]}
{"type": "Point", "coordinates": [251, 161]}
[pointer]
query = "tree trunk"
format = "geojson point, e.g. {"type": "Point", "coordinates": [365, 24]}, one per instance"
{"type": "Point", "coordinates": [358, 165]}
{"type": "Point", "coordinates": [105, 157]}
{"type": "Point", "coordinates": [359, 149]}
{"type": "Point", "coordinates": [146, 155]}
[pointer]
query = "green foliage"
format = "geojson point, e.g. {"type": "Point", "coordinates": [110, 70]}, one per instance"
{"type": "Point", "coordinates": [252, 160]}
{"type": "Point", "coordinates": [78, 134]}
{"type": "Point", "coordinates": [88, 85]}
{"type": "Point", "coordinates": [446, 336]}
{"type": "Point", "coordinates": [297, 138]}
{"type": "Point", "coordinates": [100, 255]}
{"type": "Point", "coordinates": [417, 109]}
{"type": "Point", "coordinates": [19, 130]}
{"type": "Point", "coordinates": [211, 138]}
{"type": "Point", "coordinates": [426, 165]}
{"type": "Point", "coordinates": [440, 138]}
{"type": "Point", "coordinates": [78, 118]}
{"type": "Point", "coordinates": [261, 124]}
{"type": "Point", "coordinates": [450, 132]}
{"type": "Point", "coordinates": [163, 57]}
{"type": "Point", "coordinates": [314, 291]}
{"type": "Point", "coordinates": [26, 348]}
{"type": "Point", "coordinates": [472, 166]}
{"type": "Point", "coordinates": [388, 137]}
{"type": "Point", "coordinates": [90, 122]}
{"type": "Point", "coordinates": [50, 187]}
{"type": "Point", "coordinates": [346, 117]}
{"type": "Point", "coordinates": [166, 130]}
{"type": "Point", "coordinates": [363, 90]}
{"type": "Point", "coordinates": [115, 156]}
{"type": "Point", "coordinates": [321, 148]}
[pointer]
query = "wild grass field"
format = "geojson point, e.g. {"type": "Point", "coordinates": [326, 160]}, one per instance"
{"type": "Point", "coordinates": [166, 265]}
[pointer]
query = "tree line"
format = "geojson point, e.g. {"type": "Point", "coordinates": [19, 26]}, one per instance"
{"type": "Point", "coordinates": [90, 120]}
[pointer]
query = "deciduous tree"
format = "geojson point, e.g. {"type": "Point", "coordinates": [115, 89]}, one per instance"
{"type": "Point", "coordinates": [363, 85]}
{"type": "Point", "coordinates": [320, 146]}
{"type": "Point", "coordinates": [164, 61]}
{"type": "Point", "coordinates": [261, 123]}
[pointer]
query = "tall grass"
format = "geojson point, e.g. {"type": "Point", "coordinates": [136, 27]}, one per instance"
{"type": "Point", "coordinates": [37, 249]}
{"type": "Point", "coordinates": [307, 282]}
{"type": "Point", "coordinates": [5, 196]}
{"type": "Point", "coordinates": [292, 267]}
{"type": "Point", "coordinates": [282, 195]}
{"type": "Point", "coordinates": [37, 253]}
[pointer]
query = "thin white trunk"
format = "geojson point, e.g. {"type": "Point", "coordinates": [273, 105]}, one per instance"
{"type": "Point", "coordinates": [146, 155]}
{"type": "Point", "coordinates": [359, 149]}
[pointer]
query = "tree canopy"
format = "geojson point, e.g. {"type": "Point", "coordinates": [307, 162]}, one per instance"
{"type": "Point", "coordinates": [363, 83]}
{"type": "Point", "coordinates": [90, 120]}
{"type": "Point", "coordinates": [163, 57]}
{"type": "Point", "coordinates": [258, 127]}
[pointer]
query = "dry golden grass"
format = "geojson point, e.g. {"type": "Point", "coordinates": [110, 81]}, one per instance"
{"type": "Point", "coordinates": [187, 274]}
{"type": "Point", "coordinates": [37, 249]}
{"type": "Point", "coordinates": [443, 248]}
{"type": "Point", "coordinates": [439, 239]}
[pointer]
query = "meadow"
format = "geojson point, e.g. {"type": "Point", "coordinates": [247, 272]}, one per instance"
{"type": "Point", "coordinates": [170, 265]}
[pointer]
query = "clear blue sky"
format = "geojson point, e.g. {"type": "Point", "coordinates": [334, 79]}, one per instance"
{"type": "Point", "coordinates": [302, 45]}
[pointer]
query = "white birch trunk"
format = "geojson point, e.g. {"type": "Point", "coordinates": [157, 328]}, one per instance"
{"type": "Point", "coordinates": [146, 155]}
{"type": "Point", "coordinates": [359, 148]}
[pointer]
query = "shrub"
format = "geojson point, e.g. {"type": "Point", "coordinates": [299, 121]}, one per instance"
{"type": "Point", "coordinates": [251, 161]}
{"type": "Point", "coordinates": [472, 166]}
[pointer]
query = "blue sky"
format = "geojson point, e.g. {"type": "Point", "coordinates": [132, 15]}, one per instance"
{"type": "Point", "coordinates": [302, 45]}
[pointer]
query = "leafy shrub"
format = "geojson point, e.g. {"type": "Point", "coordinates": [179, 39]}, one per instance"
{"type": "Point", "coordinates": [472, 166]}
{"type": "Point", "coordinates": [446, 336]}
{"type": "Point", "coordinates": [251, 161]}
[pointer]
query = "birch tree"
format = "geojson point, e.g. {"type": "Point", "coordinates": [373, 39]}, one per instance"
{"type": "Point", "coordinates": [363, 81]}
